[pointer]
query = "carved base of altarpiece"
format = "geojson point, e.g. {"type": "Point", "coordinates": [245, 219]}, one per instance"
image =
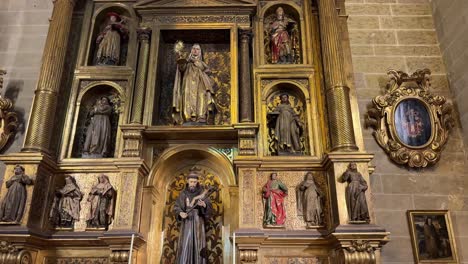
{"type": "Point", "coordinates": [347, 245]}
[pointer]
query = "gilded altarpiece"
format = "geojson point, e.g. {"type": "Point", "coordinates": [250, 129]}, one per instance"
{"type": "Point", "coordinates": [266, 60]}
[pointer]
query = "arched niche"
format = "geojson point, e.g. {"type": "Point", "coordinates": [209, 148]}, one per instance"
{"type": "Point", "coordinates": [298, 125]}
{"type": "Point", "coordinates": [293, 22]}
{"type": "Point", "coordinates": [86, 104]}
{"type": "Point", "coordinates": [167, 179]}
{"type": "Point", "coordinates": [125, 26]}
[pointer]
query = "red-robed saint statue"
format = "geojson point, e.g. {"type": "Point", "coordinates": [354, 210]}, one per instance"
{"type": "Point", "coordinates": [274, 192]}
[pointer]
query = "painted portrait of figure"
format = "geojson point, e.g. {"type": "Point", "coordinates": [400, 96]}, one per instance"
{"type": "Point", "coordinates": [412, 122]}
{"type": "Point", "coordinates": [432, 235]}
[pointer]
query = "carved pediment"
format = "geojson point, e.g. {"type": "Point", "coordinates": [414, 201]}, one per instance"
{"type": "Point", "coordinates": [194, 3]}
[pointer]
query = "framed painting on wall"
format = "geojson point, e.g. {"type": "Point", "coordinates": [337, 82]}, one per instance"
{"type": "Point", "coordinates": [410, 123]}
{"type": "Point", "coordinates": [432, 236]}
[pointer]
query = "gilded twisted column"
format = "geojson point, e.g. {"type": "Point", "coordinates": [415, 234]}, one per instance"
{"type": "Point", "coordinates": [245, 82]}
{"type": "Point", "coordinates": [43, 111]}
{"type": "Point", "coordinates": [144, 35]}
{"type": "Point", "coordinates": [337, 92]}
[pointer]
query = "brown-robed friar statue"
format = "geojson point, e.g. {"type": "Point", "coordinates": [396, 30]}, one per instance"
{"type": "Point", "coordinates": [14, 202]}
{"type": "Point", "coordinates": [192, 208]}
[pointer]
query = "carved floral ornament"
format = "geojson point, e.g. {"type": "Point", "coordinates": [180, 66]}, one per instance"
{"type": "Point", "coordinates": [411, 124]}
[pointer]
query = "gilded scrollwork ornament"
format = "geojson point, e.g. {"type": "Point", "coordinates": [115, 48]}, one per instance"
{"type": "Point", "coordinates": [8, 118]}
{"type": "Point", "coordinates": [411, 124]}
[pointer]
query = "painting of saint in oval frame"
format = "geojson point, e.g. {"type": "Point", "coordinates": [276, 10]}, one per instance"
{"type": "Point", "coordinates": [411, 124]}
{"type": "Point", "coordinates": [432, 236]}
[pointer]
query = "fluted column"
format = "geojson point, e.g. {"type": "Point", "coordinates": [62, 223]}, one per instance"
{"type": "Point", "coordinates": [144, 35]}
{"type": "Point", "coordinates": [41, 122]}
{"type": "Point", "coordinates": [244, 76]}
{"type": "Point", "coordinates": [337, 92]}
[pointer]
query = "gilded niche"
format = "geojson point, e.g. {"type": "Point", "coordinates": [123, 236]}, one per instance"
{"type": "Point", "coordinates": [411, 124]}
{"type": "Point", "coordinates": [188, 97]}
{"type": "Point", "coordinates": [286, 124]}
{"type": "Point", "coordinates": [281, 35]}
{"type": "Point", "coordinates": [110, 38]}
{"type": "Point", "coordinates": [213, 251]}
{"type": "Point", "coordinates": [98, 119]}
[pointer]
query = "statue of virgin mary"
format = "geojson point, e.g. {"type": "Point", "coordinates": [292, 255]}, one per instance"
{"type": "Point", "coordinates": [193, 89]}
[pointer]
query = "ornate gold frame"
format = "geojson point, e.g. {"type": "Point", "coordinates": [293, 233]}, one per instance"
{"type": "Point", "coordinates": [381, 116]}
{"type": "Point", "coordinates": [414, 240]}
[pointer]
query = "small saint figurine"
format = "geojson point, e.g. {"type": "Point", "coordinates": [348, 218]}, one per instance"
{"type": "Point", "coordinates": [288, 128]}
{"type": "Point", "coordinates": [102, 202]}
{"type": "Point", "coordinates": [273, 193]}
{"type": "Point", "coordinates": [283, 33]}
{"type": "Point", "coordinates": [309, 201]}
{"type": "Point", "coordinates": [192, 209]}
{"type": "Point", "coordinates": [109, 40]}
{"type": "Point", "coordinates": [356, 195]}
{"type": "Point", "coordinates": [14, 202]}
{"type": "Point", "coordinates": [66, 205]}
{"type": "Point", "coordinates": [193, 88]}
{"type": "Point", "coordinates": [98, 133]}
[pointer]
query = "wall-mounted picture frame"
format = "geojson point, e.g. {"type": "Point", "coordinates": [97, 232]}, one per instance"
{"type": "Point", "coordinates": [410, 123]}
{"type": "Point", "coordinates": [432, 236]}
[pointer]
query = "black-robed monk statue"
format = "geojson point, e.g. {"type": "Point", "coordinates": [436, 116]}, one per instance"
{"type": "Point", "coordinates": [192, 208]}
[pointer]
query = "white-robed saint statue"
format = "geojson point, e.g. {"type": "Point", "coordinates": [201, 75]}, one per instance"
{"type": "Point", "coordinates": [193, 87]}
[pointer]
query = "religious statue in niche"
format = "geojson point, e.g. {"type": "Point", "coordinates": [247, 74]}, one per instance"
{"type": "Point", "coordinates": [282, 38]}
{"type": "Point", "coordinates": [14, 202]}
{"type": "Point", "coordinates": [273, 193]}
{"type": "Point", "coordinates": [98, 133]}
{"type": "Point", "coordinates": [110, 38]}
{"type": "Point", "coordinates": [286, 129]}
{"type": "Point", "coordinates": [356, 195]}
{"type": "Point", "coordinates": [310, 201]}
{"type": "Point", "coordinates": [102, 202]}
{"type": "Point", "coordinates": [193, 209]}
{"type": "Point", "coordinates": [66, 205]}
{"type": "Point", "coordinates": [192, 101]}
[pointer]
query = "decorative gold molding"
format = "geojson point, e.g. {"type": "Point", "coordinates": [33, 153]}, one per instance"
{"type": "Point", "coordinates": [10, 254]}
{"type": "Point", "coordinates": [240, 19]}
{"type": "Point", "coordinates": [8, 118]}
{"type": "Point", "coordinates": [360, 251]}
{"type": "Point", "coordinates": [415, 147]}
{"type": "Point", "coordinates": [247, 140]}
{"type": "Point", "coordinates": [248, 256]}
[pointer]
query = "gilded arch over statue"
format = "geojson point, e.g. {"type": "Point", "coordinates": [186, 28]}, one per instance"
{"type": "Point", "coordinates": [171, 163]}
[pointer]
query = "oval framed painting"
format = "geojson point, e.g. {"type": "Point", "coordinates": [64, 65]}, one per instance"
{"type": "Point", "coordinates": [413, 123]}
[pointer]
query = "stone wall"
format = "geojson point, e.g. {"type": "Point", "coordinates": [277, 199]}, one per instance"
{"type": "Point", "coordinates": [452, 30]}
{"type": "Point", "coordinates": [400, 34]}
{"type": "Point", "coordinates": [23, 31]}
